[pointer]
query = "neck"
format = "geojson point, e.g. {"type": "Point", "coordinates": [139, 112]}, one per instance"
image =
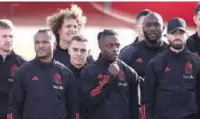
{"type": "Point", "coordinates": [176, 51]}
{"type": "Point", "coordinates": [78, 66]}
{"type": "Point", "coordinates": [46, 60]}
{"type": "Point", "coordinates": [157, 44]}
{"type": "Point", "coordinates": [63, 44]}
{"type": "Point", "coordinates": [4, 54]}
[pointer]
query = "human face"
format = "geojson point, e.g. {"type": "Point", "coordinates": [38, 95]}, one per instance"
{"type": "Point", "coordinates": [68, 29]}
{"type": "Point", "coordinates": [177, 39]}
{"type": "Point", "coordinates": [109, 47]}
{"type": "Point", "coordinates": [78, 52]}
{"type": "Point", "coordinates": [153, 28]}
{"type": "Point", "coordinates": [43, 45]}
{"type": "Point", "coordinates": [6, 38]}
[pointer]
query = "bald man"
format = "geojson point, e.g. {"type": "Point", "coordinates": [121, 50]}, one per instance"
{"type": "Point", "coordinates": [138, 55]}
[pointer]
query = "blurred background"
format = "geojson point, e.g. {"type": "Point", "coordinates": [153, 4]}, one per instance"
{"type": "Point", "coordinates": [120, 16]}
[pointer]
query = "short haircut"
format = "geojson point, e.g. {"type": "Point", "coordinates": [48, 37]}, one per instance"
{"type": "Point", "coordinates": [79, 38]}
{"type": "Point", "coordinates": [142, 13]}
{"type": "Point", "coordinates": [105, 32]}
{"type": "Point", "coordinates": [197, 9]}
{"type": "Point", "coordinates": [56, 20]}
{"type": "Point", "coordinates": [48, 31]}
{"type": "Point", "coordinates": [5, 23]}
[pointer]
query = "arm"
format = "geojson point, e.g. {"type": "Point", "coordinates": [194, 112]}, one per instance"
{"type": "Point", "coordinates": [134, 99]}
{"type": "Point", "coordinates": [17, 94]}
{"type": "Point", "coordinates": [127, 54]}
{"type": "Point", "coordinates": [191, 46]}
{"type": "Point", "coordinates": [198, 92]}
{"type": "Point", "coordinates": [92, 92]}
{"type": "Point", "coordinates": [72, 98]}
{"type": "Point", "coordinates": [149, 90]}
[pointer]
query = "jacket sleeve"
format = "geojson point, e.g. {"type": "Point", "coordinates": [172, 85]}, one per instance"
{"type": "Point", "coordinates": [149, 90]}
{"type": "Point", "coordinates": [17, 95]}
{"type": "Point", "coordinates": [134, 99]}
{"type": "Point", "coordinates": [72, 98]}
{"type": "Point", "coordinates": [90, 59]}
{"type": "Point", "coordinates": [198, 90]}
{"type": "Point", "coordinates": [93, 92]}
{"type": "Point", "coordinates": [127, 54]}
{"type": "Point", "coordinates": [191, 46]}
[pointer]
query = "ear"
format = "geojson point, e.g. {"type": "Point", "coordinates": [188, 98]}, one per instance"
{"type": "Point", "coordinates": [194, 19]}
{"type": "Point", "coordinates": [54, 45]}
{"type": "Point", "coordinates": [163, 27]}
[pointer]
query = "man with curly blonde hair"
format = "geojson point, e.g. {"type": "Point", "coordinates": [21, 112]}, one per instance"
{"type": "Point", "coordinates": [65, 24]}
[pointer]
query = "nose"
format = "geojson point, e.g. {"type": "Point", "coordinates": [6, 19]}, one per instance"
{"type": "Point", "coordinates": [115, 49]}
{"type": "Point", "coordinates": [79, 53]}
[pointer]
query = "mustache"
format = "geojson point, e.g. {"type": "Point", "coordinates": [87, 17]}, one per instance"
{"type": "Point", "coordinates": [177, 39]}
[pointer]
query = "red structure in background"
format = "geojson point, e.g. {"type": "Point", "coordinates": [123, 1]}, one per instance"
{"type": "Point", "coordinates": [100, 14]}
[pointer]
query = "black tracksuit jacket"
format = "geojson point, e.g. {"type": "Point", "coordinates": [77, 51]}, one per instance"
{"type": "Point", "coordinates": [109, 97]}
{"type": "Point", "coordinates": [172, 86]}
{"type": "Point", "coordinates": [43, 91]}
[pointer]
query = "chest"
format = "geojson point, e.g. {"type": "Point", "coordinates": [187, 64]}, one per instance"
{"type": "Point", "coordinates": [119, 82]}
{"type": "Point", "coordinates": [44, 84]}
{"type": "Point", "coordinates": [177, 75]}
{"type": "Point", "coordinates": [141, 58]}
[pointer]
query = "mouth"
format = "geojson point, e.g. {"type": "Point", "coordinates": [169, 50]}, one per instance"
{"type": "Point", "coordinates": [152, 35]}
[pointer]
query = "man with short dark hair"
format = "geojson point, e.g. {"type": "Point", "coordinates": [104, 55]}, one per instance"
{"type": "Point", "coordinates": [43, 88]}
{"type": "Point", "coordinates": [193, 42]}
{"type": "Point", "coordinates": [109, 86]}
{"type": "Point", "coordinates": [172, 83]}
{"type": "Point", "coordinates": [9, 64]}
{"type": "Point", "coordinates": [78, 51]}
{"type": "Point", "coordinates": [139, 20]}
{"type": "Point", "coordinates": [138, 55]}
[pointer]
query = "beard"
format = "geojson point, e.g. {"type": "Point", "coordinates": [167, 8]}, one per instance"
{"type": "Point", "coordinates": [176, 46]}
{"type": "Point", "coordinates": [150, 39]}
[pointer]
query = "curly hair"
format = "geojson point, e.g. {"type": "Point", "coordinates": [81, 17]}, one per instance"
{"type": "Point", "coordinates": [56, 20]}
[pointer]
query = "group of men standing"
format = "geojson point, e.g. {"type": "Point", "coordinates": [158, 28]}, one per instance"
{"type": "Point", "coordinates": [148, 79]}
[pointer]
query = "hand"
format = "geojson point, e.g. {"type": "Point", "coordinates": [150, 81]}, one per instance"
{"type": "Point", "coordinates": [114, 68]}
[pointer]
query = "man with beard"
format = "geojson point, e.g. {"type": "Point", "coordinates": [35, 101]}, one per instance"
{"type": "Point", "coordinates": [193, 42]}
{"type": "Point", "coordinates": [109, 86]}
{"type": "Point", "coordinates": [66, 24]}
{"type": "Point", "coordinates": [138, 55]}
{"type": "Point", "coordinates": [9, 64]}
{"type": "Point", "coordinates": [43, 88]}
{"type": "Point", "coordinates": [78, 51]}
{"type": "Point", "coordinates": [172, 83]}
{"type": "Point", "coordinates": [139, 21]}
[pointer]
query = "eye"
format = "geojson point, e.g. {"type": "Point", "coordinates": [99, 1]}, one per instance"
{"type": "Point", "coordinates": [109, 46]}
{"type": "Point", "coordinates": [117, 45]}
{"type": "Point", "coordinates": [157, 25]}
{"type": "Point", "coordinates": [75, 49]}
{"type": "Point", "coordinates": [83, 50]}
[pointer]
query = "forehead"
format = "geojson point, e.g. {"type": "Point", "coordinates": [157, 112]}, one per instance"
{"type": "Point", "coordinates": [5, 30]}
{"type": "Point", "coordinates": [78, 44]}
{"type": "Point", "coordinates": [153, 18]}
{"type": "Point", "coordinates": [70, 21]}
{"type": "Point", "coordinates": [111, 39]}
{"type": "Point", "coordinates": [42, 37]}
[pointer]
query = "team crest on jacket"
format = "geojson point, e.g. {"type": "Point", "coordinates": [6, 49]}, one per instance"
{"type": "Point", "coordinates": [121, 75]}
{"type": "Point", "coordinates": [58, 78]}
{"type": "Point", "coordinates": [188, 68]}
{"type": "Point", "coordinates": [13, 70]}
